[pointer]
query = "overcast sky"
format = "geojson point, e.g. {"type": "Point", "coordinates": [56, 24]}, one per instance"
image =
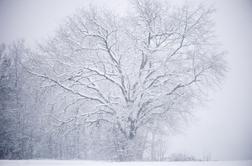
{"type": "Point", "coordinates": [221, 128]}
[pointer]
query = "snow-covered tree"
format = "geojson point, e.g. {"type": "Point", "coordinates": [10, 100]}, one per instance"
{"type": "Point", "coordinates": [125, 73]}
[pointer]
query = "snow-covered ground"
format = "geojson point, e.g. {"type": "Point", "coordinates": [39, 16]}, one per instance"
{"type": "Point", "coordinates": [94, 163]}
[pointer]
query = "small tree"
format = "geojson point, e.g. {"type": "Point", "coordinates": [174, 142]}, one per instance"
{"type": "Point", "coordinates": [128, 72]}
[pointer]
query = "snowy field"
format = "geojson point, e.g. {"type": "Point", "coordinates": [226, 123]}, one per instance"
{"type": "Point", "coordinates": [94, 163]}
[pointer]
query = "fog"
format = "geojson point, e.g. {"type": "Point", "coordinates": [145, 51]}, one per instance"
{"type": "Point", "coordinates": [222, 128]}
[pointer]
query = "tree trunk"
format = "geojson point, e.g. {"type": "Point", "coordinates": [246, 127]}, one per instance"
{"type": "Point", "coordinates": [129, 148]}
{"type": "Point", "coordinates": [153, 153]}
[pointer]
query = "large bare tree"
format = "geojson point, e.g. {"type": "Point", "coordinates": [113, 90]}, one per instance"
{"type": "Point", "coordinates": [133, 71]}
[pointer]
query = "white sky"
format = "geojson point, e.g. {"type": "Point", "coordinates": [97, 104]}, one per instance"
{"type": "Point", "coordinates": [222, 128]}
